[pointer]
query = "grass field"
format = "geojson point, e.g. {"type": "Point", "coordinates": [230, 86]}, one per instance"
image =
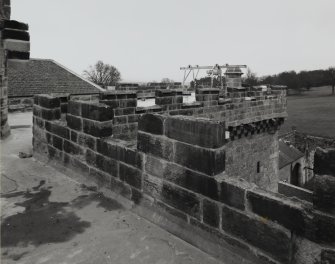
{"type": "Point", "coordinates": [312, 112]}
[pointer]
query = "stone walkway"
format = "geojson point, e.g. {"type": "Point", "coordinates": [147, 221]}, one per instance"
{"type": "Point", "coordinates": [47, 217]}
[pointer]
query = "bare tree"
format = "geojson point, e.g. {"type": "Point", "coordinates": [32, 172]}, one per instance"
{"type": "Point", "coordinates": [103, 74]}
{"type": "Point", "coordinates": [251, 78]}
{"type": "Point", "coordinates": [167, 80]}
{"type": "Point", "coordinates": [331, 75]}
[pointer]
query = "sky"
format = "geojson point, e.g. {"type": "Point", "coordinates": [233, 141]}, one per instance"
{"type": "Point", "coordinates": [148, 40]}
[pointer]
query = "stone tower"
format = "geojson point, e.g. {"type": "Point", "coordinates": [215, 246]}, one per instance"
{"type": "Point", "coordinates": [14, 51]}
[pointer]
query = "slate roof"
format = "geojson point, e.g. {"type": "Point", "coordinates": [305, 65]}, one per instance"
{"type": "Point", "coordinates": [40, 76]}
{"type": "Point", "coordinates": [288, 154]}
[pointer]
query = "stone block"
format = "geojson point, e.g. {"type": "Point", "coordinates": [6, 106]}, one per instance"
{"type": "Point", "coordinates": [72, 148]}
{"type": "Point", "coordinates": [327, 256]}
{"type": "Point", "coordinates": [324, 161]}
{"type": "Point", "coordinates": [155, 145]}
{"type": "Point", "coordinates": [279, 209]}
{"type": "Point", "coordinates": [119, 187]}
{"type": "Point", "coordinates": [48, 101]}
{"type": "Point", "coordinates": [101, 178]}
{"type": "Point", "coordinates": [55, 154]}
{"type": "Point", "coordinates": [50, 114]}
{"type": "Point", "coordinates": [15, 34]}
{"type": "Point", "coordinates": [120, 119]}
{"type": "Point", "coordinates": [74, 108]}
{"type": "Point", "coordinates": [190, 180]}
{"type": "Point", "coordinates": [87, 141]}
{"type": "Point", "coordinates": [58, 129]}
{"type": "Point", "coordinates": [170, 210]}
{"type": "Point", "coordinates": [322, 228]}
{"type": "Point", "coordinates": [210, 211]}
{"type": "Point", "coordinates": [17, 45]}
{"type": "Point", "coordinates": [13, 24]}
{"type": "Point", "coordinates": [91, 157]}
{"type": "Point", "coordinates": [136, 195]}
{"type": "Point", "coordinates": [97, 129]}
{"type": "Point", "coordinates": [208, 161]}
{"type": "Point", "coordinates": [57, 142]}
{"type": "Point", "coordinates": [324, 193]}
{"type": "Point", "coordinates": [124, 111]}
{"type": "Point", "coordinates": [96, 111]}
{"type": "Point", "coordinates": [180, 199]}
{"type": "Point", "coordinates": [259, 233]}
{"type": "Point", "coordinates": [232, 195]}
{"type": "Point", "coordinates": [151, 123]}
{"type": "Point", "coordinates": [75, 164]}
{"type": "Point", "coordinates": [74, 136]}
{"type": "Point", "coordinates": [74, 122]}
{"type": "Point", "coordinates": [201, 132]}
{"type": "Point", "coordinates": [113, 95]}
{"type": "Point", "coordinates": [130, 175]}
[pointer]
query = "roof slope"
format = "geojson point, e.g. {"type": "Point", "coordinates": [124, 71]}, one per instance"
{"type": "Point", "coordinates": [40, 76]}
{"type": "Point", "coordinates": [288, 154]}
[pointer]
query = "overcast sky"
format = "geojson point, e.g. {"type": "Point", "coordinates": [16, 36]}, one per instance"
{"type": "Point", "coordinates": [150, 39]}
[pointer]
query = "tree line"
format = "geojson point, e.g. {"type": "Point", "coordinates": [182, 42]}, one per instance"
{"type": "Point", "coordinates": [108, 75]}
{"type": "Point", "coordinates": [294, 80]}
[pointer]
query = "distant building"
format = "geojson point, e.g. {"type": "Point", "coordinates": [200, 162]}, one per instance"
{"type": "Point", "coordinates": [42, 76]}
{"type": "Point", "coordinates": [291, 164]}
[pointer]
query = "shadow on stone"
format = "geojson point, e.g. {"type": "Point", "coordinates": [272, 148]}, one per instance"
{"type": "Point", "coordinates": [104, 202]}
{"type": "Point", "coordinates": [41, 222]}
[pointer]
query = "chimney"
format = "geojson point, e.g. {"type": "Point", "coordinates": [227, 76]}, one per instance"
{"type": "Point", "coordinates": [233, 77]}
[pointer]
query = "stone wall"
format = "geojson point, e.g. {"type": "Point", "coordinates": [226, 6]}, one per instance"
{"type": "Point", "coordinates": [177, 166]}
{"type": "Point", "coordinates": [14, 48]}
{"type": "Point", "coordinates": [255, 158]}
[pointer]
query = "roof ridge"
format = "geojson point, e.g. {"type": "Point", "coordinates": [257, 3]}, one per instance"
{"type": "Point", "coordinates": [77, 75]}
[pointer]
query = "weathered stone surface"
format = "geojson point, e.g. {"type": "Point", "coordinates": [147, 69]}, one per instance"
{"type": "Point", "coordinates": [130, 175]}
{"type": "Point", "coordinates": [13, 24]}
{"type": "Point", "coordinates": [322, 228]}
{"type": "Point", "coordinates": [57, 142]}
{"type": "Point", "coordinates": [74, 122]}
{"type": "Point", "coordinates": [232, 195]}
{"type": "Point", "coordinates": [136, 195]}
{"type": "Point", "coordinates": [58, 129]}
{"type": "Point", "coordinates": [324, 193]}
{"type": "Point", "coordinates": [88, 141]}
{"type": "Point", "coordinates": [191, 180]}
{"type": "Point", "coordinates": [324, 161]}
{"type": "Point", "coordinates": [211, 214]}
{"type": "Point", "coordinates": [153, 124]}
{"type": "Point", "coordinates": [260, 233]}
{"type": "Point", "coordinates": [50, 114]}
{"type": "Point", "coordinates": [199, 132]}
{"type": "Point", "coordinates": [72, 148]}
{"type": "Point", "coordinates": [15, 34]}
{"type": "Point", "coordinates": [97, 129]}
{"type": "Point", "coordinates": [101, 178]}
{"type": "Point", "coordinates": [155, 145]}
{"type": "Point", "coordinates": [48, 101]}
{"type": "Point", "coordinates": [180, 199]}
{"type": "Point", "coordinates": [328, 256]}
{"type": "Point", "coordinates": [287, 213]}
{"type": "Point", "coordinates": [208, 161]}
{"type": "Point", "coordinates": [74, 108]}
{"type": "Point", "coordinates": [107, 165]}
{"type": "Point", "coordinates": [96, 111]}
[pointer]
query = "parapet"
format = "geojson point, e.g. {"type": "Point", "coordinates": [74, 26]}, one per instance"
{"type": "Point", "coordinates": [175, 167]}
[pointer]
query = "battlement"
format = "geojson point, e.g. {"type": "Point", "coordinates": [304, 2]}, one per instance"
{"type": "Point", "coordinates": [181, 166]}
{"type": "Point", "coordinates": [244, 112]}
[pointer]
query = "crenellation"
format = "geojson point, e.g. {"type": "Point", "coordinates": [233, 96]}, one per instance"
{"type": "Point", "coordinates": [214, 167]}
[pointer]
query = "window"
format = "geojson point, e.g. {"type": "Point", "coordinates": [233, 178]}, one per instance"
{"type": "Point", "coordinates": [258, 167]}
